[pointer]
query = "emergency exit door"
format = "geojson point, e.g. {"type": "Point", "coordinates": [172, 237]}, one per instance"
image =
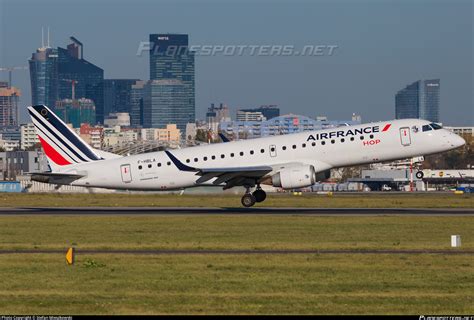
{"type": "Point", "coordinates": [405, 136]}
{"type": "Point", "coordinates": [273, 150]}
{"type": "Point", "coordinates": [126, 173]}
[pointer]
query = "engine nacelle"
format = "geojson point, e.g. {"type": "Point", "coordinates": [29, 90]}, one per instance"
{"type": "Point", "coordinates": [295, 177]}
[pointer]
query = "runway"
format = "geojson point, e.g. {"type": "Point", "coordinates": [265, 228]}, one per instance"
{"type": "Point", "coordinates": [130, 211]}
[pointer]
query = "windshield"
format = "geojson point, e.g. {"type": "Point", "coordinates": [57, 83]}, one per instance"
{"type": "Point", "coordinates": [426, 128]}
{"type": "Point", "coordinates": [436, 126]}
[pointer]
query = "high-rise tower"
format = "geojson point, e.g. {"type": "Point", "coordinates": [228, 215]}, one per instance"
{"type": "Point", "coordinates": [419, 100]}
{"type": "Point", "coordinates": [171, 59]}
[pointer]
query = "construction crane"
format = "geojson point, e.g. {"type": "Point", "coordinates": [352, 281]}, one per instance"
{"type": "Point", "coordinates": [73, 85]}
{"type": "Point", "coordinates": [10, 70]}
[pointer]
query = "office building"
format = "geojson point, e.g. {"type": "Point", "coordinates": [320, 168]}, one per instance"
{"type": "Point", "coordinates": [18, 163]}
{"type": "Point", "coordinates": [136, 102]}
{"type": "Point", "coordinates": [215, 115]}
{"type": "Point", "coordinates": [171, 59]}
{"type": "Point", "coordinates": [250, 116]}
{"type": "Point", "coordinates": [60, 73]}
{"type": "Point", "coordinates": [268, 111]}
{"type": "Point", "coordinates": [170, 133]}
{"type": "Point", "coordinates": [218, 113]}
{"type": "Point", "coordinates": [92, 135]}
{"type": "Point", "coordinates": [116, 136]}
{"type": "Point", "coordinates": [88, 78]}
{"type": "Point", "coordinates": [118, 95]}
{"type": "Point", "coordinates": [9, 97]}
{"type": "Point", "coordinates": [121, 119]}
{"type": "Point", "coordinates": [44, 76]}
{"type": "Point", "coordinates": [420, 100]}
{"type": "Point", "coordinates": [29, 138]}
{"type": "Point", "coordinates": [10, 133]}
{"type": "Point", "coordinates": [166, 102]}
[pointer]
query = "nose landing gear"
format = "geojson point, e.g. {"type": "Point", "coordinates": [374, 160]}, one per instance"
{"type": "Point", "coordinates": [249, 199]}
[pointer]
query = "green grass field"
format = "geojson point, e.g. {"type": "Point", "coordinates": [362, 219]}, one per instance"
{"type": "Point", "coordinates": [356, 200]}
{"type": "Point", "coordinates": [302, 284]}
{"type": "Point", "coordinates": [236, 284]}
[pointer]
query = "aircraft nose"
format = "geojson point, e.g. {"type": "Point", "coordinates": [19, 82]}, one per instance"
{"type": "Point", "coordinates": [458, 141]}
{"type": "Point", "coordinates": [454, 141]}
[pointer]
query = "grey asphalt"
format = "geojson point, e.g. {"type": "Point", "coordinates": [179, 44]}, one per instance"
{"type": "Point", "coordinates": [97, 211]}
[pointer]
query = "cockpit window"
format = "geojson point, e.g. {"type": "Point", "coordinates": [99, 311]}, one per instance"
{"type": "Point", "coordinates": [436, 126]}
{"type": "Point", "coordinates": [426, 127]}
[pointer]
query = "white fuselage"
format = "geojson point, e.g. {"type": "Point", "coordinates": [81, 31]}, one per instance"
{"type": "Point", "coordinates": [323, 149]}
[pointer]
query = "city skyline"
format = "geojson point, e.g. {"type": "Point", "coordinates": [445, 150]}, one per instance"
{"type": "Point", "coordinates": [367, 68]}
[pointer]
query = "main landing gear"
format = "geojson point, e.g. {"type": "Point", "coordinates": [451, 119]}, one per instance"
{"type": "Point", "coordinates": [249, 199]}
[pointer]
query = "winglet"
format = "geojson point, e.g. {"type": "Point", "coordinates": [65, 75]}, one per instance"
{"type": "Point", "coordinates": [181, 166]}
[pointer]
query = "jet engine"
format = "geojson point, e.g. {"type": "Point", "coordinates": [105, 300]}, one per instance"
{"type": "Point", "coordinates": [298, 177]}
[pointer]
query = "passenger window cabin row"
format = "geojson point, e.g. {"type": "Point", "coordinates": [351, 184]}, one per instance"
{"type": "Point", "coordinates": [272, 149]}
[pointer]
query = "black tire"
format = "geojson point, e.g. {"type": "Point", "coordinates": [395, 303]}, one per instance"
{"type": "Point", "coordinates": [259, 195]}
{"type": "Point", "coordinates": [419, 175]}
{"type": "Point", "coordinates": [248, 200]}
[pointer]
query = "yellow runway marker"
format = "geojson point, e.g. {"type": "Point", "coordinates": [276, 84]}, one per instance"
{"type": "Point", "coordinates": [70, 256]}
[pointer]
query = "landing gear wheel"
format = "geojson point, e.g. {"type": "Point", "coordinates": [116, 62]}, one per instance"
{"type": "Point", "coordinates": [260, 195]}
{"type": "Point", "coordinates": [248, 200]}
{"type": "Point", "coordinates": [419, 174]}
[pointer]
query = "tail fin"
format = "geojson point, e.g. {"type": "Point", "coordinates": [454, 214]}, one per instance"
{"type": "Point", "coordinates": [61, 145]}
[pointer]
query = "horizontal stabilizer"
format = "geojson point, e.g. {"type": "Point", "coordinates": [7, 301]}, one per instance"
{"type": "Point", "coordinates": [54, 177]}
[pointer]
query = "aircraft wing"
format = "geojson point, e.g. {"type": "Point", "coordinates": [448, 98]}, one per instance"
{"type": "Point", "coordinates": [54, 177]}
{"type": "Point", "coordinates": [231, 176]}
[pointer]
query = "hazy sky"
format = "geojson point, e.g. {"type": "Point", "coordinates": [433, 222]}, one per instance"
{"type": "Point", "coordinates": [382, 46]}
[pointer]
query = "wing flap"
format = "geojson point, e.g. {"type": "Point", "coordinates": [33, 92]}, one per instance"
{"type": "Point", "coordinates": [236, 169]}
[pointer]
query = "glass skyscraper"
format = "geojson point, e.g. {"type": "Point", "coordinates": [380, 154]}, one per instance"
{"type": "Point", "coordinates": [53, 70]}
{"type": "Point", "coordinates": [44, 76]}
{"type": "Point", "coordinates": [419, 100]}
{"type": "Point", "coordinates": [117, 95]}
{"type": "Point", "coordinates": [136, 101]}
{"type": "Point", "coordinates": [165, 102]}
{"type": "Point", "coordinates": [89, 79]}
{"type": "Point", "coordinates": [170, 58]}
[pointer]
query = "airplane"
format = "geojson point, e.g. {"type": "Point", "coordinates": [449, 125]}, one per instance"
{"type": "Point", "coordinates": [288, 161]}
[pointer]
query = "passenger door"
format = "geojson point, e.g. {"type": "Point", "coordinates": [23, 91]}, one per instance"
{"type": "Point", "coordinates": [405, 136]}
{"type": "Point", "coordinates": [126, 173]}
